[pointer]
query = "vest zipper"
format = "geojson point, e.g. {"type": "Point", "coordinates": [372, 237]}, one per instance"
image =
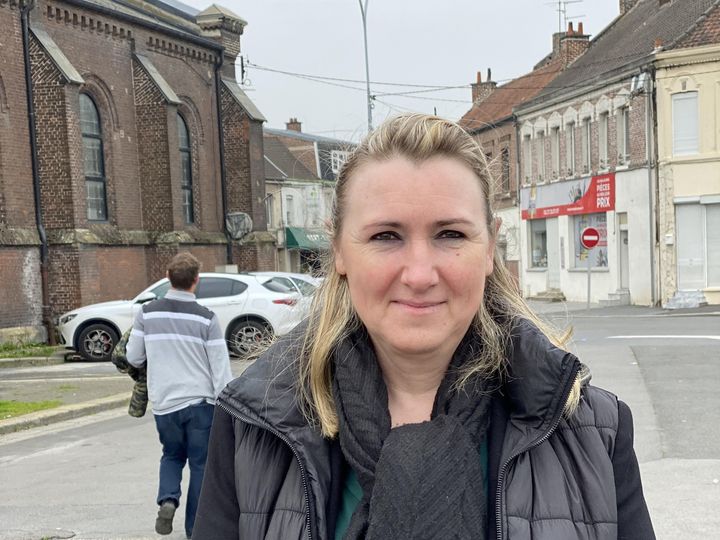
{"type": "Point", "coordinates": [283, 438]}
{"type": "Point", "coordinates": [500, 493]}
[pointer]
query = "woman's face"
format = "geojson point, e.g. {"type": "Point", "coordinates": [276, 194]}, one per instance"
{"type": "Point", "coordinates": [415, 249]}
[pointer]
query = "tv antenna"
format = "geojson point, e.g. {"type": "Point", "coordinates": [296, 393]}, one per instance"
{"type": "Point", "coordinates": [561, 6]}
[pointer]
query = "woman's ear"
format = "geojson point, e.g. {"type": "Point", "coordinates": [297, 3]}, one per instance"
{"type": "Point", "coordinates": [339, 262]}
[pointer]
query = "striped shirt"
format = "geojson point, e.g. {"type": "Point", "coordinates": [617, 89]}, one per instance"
{"type": "Point", "coordinates": [184, 347]}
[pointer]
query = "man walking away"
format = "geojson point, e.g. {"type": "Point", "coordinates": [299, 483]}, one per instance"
{"type": "Point", "coordinates": [187, 367]}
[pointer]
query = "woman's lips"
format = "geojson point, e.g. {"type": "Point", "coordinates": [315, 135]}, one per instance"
{"type": "Point", "coordinates": [418, 307]}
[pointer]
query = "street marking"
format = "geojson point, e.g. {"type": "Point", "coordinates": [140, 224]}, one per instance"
{"type": "Point", "coordinates": [664, 337]}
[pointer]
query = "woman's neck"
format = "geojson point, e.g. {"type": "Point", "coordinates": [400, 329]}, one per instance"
{"type": "Point", "coordinates": [412, 385]}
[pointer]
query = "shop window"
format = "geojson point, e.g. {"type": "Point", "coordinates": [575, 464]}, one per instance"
{"type": "Point", "coordinates": [698, 245]}
{"type": "Point", "coordinates": [712, 226]}
{"type": "Point", "coordinates": [599, 254]}
{"type": "Point", "coordinates": [538, 243]}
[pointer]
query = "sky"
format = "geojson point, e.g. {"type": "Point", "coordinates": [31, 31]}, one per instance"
{"type": "Point", "coordinates": [438, 43]}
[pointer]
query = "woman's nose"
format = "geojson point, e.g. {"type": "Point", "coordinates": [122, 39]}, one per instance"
{"type": "Point", "coordinates": [419, 267]}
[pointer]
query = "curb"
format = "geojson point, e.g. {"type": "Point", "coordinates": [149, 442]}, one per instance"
{"type": "Point", "coordinates": [66, 412]}
{"type": "Point", "coordinates": [31, 361]}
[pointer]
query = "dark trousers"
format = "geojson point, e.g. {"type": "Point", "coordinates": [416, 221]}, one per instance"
{"type": "Point", "coordinates": [184, 436]}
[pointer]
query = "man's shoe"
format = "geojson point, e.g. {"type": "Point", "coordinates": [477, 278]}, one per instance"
{"type": "Point", "coordinates": [163, 523]}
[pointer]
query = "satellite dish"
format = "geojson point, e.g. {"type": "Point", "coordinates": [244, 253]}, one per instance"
{"type": "Point", "coordinates": [238, 224]}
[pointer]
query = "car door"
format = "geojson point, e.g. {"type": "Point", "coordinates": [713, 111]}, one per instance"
{"type": "Point", "coordinates": [226, 297]}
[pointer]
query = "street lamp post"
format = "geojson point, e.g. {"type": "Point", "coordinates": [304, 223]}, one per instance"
{"type": "Point", "coordinates": [363, 11]}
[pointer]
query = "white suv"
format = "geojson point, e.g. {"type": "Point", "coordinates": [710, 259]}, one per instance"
{"type": "Point", "coordinates": [248, 309]}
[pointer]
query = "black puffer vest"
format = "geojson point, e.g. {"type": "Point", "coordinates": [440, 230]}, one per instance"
{"type": "Point", "coordinates": [553, 480]}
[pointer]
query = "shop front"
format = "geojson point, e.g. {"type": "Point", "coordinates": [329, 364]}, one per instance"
{"type": "Point", "coordinates": [304, 249]}
{"type": "Point", "coordinates": [554, 216]}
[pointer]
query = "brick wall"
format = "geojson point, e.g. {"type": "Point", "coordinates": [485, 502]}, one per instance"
{"type": "Point", "coordinates": [64, 269]}
{"type": "Point", "coordinates": [236, 132]}
{"type": "Point", "coordinates": [22, 302]}
{"type": "Point", "coordinates": [17, 206]}
{"type": "Point", "coordinates": [637, 140]}
{"type": "Point", "coordinates": [151, 117]}
{"type": "Point", "coordinates": [91, 261]}
{"type": "Point", "coordinates": [494, 140]}
{"type": "Point", "coordinates": [255, 256]}
{"type": "Point", "coordinates": [128, 262]}
{"type": "Point", "coordinates": [58, 188]}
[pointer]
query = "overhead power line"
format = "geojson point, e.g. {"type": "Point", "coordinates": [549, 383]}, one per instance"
{"type": "Point", "coordinates": [357, 81]}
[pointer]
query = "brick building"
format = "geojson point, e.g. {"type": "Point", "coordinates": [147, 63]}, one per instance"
{"type": "Point", "coordinates": [588, 157]}
{"type": "Point", "coordinates": [143, 141]}
{"type": "Point", "coordinates": [494, 125]}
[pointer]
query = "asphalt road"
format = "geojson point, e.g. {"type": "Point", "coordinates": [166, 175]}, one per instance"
{"type": "Point", "coordinates": [95, 478]}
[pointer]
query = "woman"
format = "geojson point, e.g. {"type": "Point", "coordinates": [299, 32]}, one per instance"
{"type": "Point", "coordinates": [422, 399]}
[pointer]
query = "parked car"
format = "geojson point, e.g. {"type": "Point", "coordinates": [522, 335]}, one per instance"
{"type": "Point", "coordinates": [302, 284]}
{"type": "Point", "coordinates": [249, 311]}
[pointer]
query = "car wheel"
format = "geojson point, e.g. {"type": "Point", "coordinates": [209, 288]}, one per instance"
{"type": "Point", "coordinates": [246, 337]}
{"type": "Point", "coordinates": [96, 342]}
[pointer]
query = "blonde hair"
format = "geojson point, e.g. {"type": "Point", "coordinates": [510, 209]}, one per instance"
{"type": "Point", "coordinates": [416, 137]}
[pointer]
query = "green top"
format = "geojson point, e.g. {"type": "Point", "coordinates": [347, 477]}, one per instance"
{"type": "Point", "coordinates": [352, 493]}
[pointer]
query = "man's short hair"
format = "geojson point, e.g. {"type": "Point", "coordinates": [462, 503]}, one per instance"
{"type": "Point", "coordinates": [183, 270]}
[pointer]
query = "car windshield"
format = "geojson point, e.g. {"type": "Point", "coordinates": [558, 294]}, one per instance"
{"type": "Point", "coordinates": [161, 290]}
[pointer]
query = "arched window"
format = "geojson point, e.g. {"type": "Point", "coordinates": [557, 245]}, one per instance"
{"type": "Point", "coordinates": [185, 169]}
{"type": "Point", "coordinates": [95, 192]}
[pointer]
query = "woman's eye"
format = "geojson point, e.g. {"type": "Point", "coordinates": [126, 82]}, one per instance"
{"type": "Point", "coordinates": [385, 236]}
{"type": "Point", "coordinates": [451, 235]}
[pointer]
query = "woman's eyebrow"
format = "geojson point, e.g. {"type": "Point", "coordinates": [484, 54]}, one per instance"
{"type": "Point", "coordinates": [398, 225]}
{"type": "Point", "coordinates": [453, 221]}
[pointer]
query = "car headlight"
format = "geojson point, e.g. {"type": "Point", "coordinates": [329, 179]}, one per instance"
{"type": "Point", "coordinates": [67, 318]}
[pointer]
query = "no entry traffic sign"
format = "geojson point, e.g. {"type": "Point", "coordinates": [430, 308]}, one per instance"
{"type": "Point", "coordinates": [590, 237]}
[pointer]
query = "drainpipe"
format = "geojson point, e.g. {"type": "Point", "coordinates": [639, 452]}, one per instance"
{"type": "Point", "coordinates": [44, 251]}
{"type": "Point", "coordinates": [223, 178]}
{"type": "Point", "coordinates": [518, 187]}
{"type": "Point", "coordinates": [652, 164]}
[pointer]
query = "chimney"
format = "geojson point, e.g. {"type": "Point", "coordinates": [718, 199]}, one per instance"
{"type": "Point", "coordinates": [571, 45]}
{"type": "Point", "coordinates": [224, 28]}
{"type": "Point", "coordinates": [627, 5]}
{"type": "Point", "coordinates": [293, 125]}
{"type": "Point", "coordinates": [481, 90]}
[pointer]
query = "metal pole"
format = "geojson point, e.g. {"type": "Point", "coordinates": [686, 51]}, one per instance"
{"type": "Point", "coordinates": [589, 264]}
{"type": "Point", "coordinates": [363, 11]}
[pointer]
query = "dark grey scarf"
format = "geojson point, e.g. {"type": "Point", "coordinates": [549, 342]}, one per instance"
{"type": "Point", "coordinates": [419, 481]}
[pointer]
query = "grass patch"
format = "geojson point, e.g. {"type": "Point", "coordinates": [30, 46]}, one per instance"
{"type": "Point", "coordinates": [10, 409]}
{"type": "Point", "coordinates": [67, 387]}
{"type": "Point", "coordinates": [24, 350]}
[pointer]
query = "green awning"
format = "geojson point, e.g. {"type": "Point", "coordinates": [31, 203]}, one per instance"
{"type": "Point", "coordinates": [310, 239]}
